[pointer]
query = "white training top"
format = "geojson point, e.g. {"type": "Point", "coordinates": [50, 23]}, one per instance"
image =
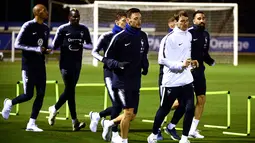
{"type": "Point", "coordinates": [175, 48]}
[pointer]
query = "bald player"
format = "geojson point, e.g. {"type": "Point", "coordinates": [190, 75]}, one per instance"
{"type": "Point", "coordinates": [33, 41]}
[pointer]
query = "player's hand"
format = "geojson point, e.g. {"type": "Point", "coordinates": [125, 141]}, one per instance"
{"type": "Point", "coordinates": [145, 71]}
{"type": "Point", "coordinates": [48, 51]}
{"type": "Point", "coordinates": [104, 60]}
{"type": "Point", "coordinates": [122, 65]}
{"type": "Point", "coordinates": [186, 63]}
{"type": "Point", "coordinates": [194, 64]}
{"type": "Point", "coordinates": [43, 49]}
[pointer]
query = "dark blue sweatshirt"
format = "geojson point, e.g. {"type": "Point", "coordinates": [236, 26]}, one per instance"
{"type": "Point", "coordinates": [31, 38]}
{"type": "Point", "coordinates": [200, 46]}
{"type": "Point", "coordinates": [104, 41]}
{"type": "Point", "coordinates": [130, 45]}
{"type": "Point", "coordinates": [70, 39]}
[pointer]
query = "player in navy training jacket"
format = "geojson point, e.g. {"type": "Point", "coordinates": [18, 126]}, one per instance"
{"type": "Point", "coordinates": [33, 41]}
{"type": "Point", "coordinates": [71, 38]}
{"type": "Point", "coordinates": [127, 57]}
{"type": "Point", "coordinates": [115, 109]}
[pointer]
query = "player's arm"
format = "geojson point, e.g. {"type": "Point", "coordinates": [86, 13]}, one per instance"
{"type": "Point", "coordinates": [162, 60]}
{"type": "Point", "coordinates": [88, 43]}
{"type": "Point", "coordinates": [100, 45]}
{"type": "Point", "coordinates": [207, 57]}
{"type": "Point", "coordinates": [194, 63]}
{"type": "Point", "coordinates": [110, 55]}
{"type": "Point", "coordinates": [58, 38]}
{"type": "Point", "coordinates": [145, 61]}
{"type": "Point", "coordinates": [21, 38]}
{"type": "Point", "coordinates": [47, 50]}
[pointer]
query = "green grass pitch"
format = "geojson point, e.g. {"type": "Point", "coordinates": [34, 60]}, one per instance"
{"type": "Point", "coordinates": [239, 80]}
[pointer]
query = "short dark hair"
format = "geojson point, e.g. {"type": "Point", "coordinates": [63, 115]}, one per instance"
{"type": "Point", "coordinates": [119, 15]}
{"type": "Point", "coordinates": [171, 19]}
{"type": "Point", "coordinates": [179, 14]}
{"type": "Point", "coordinates": [196, 12]}
{"type": "Point", "coordinates": [131, 11]}
{"type": "Point", "coordinates": [73, 10]}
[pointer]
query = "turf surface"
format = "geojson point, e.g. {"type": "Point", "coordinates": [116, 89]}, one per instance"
{"type": "Point", "coordinates": [239, 80]}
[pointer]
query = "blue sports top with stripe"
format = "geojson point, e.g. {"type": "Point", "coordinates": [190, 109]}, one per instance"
{"type": "Point", "coordinates": [32, 36]}
{"type": "Point", "coordinates": [71, 39]}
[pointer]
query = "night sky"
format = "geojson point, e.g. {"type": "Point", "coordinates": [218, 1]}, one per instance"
{"type": "Point", "coordinates": [20, 10]}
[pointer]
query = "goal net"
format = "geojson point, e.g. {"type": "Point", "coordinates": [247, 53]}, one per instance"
{"type": "Point", "coordinates": [221, 23]}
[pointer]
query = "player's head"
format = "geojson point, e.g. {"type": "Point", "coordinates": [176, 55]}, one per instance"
{"type": "Point", "coordinates": [182, 20]}
{"type": "Point", "coordinates": [199, 18]}
{"type": "Point", "coordinates": [134, 17]}
{"type": "Point", "coordinates": [171, 22]}
{"type": "Point", "coordinates": [74, 16]}
{"type": "Point", "coordinates": [40, 11]}
{"type": "Point", "coordinates": [120, 19]}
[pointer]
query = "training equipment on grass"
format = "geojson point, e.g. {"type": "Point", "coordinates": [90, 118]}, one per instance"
{"type": "Point", "coordinates": [248, 120]}
{"type": "Point", "coordinates": [17, 105]}
{"type": "Point", "coordinates": [207, 93]}
{"type": "Point", "coordinates": [57, 97]}
{"type": "Point", "coordinates": [151, 89]}
{"type": "Point", "coordinates": [81, 85]}
{"type": "Point", "coordinates": [95, 85]}
{"type": "Point", "coordinates": [41, 111]}
{"type": "Point", "coordinates": [228, 109]}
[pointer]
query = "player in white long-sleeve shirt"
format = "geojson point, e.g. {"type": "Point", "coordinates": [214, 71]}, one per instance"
{"type": "Point", "coordinates": [175, 55]}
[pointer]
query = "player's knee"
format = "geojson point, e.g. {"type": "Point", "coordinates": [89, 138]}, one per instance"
{"type": "Point", "coordinates": [128, 113]}
{"type": "Point", "coordinates": [40, 95]}
{"type": "Point", "coordinates": [29, 96]}
{"type": "Point", "coordinates": [69, 91]}
{"type": "Point", "coordinates": [190, 108]}
{"type": "Point", "coordinates": [164, 110]}
{"type": "Point", "coordinates": [133, 117]}
{"type": "Point", "coordinates": [118, 110]}
{"type": "Point", "coordinates": [201, 100]}
{"type": "Point", "coordinates": [175, 105]}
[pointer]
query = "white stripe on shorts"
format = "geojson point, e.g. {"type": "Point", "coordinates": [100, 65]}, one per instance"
{"type": "Point", "coordinates": [122, 96]}
{"type": "Point", "coordinates": [24, 79]}
{"type": "Point", "coordinates": [163, 95]}
{"type": "Point", "coordinates": [161, 89]}
{"type": "Point", "coordinates": [108, 83]}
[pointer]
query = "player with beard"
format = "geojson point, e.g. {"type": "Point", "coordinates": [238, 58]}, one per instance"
{"type": "Point", "coordinates": [199, 51]}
